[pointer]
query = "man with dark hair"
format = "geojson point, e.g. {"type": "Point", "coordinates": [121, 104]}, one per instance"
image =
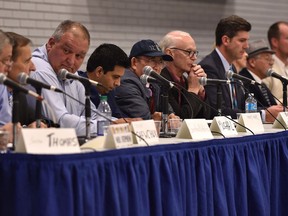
{"type": "Point", "coordinates": [277, 37]}
{"type": "Point", "coordinates": [106, 65]}
{"type": "Point", "coordinates": [231, 36]}
{"type": "Point", "coordinates": [259, 60]}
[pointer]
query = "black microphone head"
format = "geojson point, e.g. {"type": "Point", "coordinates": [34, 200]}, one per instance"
{"type": "Point", "coordinates": [147, 70]}
{"type": "Point", "coordinates": [229, 74]}
{"type": "Point", "coordinates": [62, 74]}
{"type": "Point", "coordinates": [143, 79]}
{"type": "Point", "coordinates": [22, 78]}
{"type": "Point", "coordinates": [203, 81]}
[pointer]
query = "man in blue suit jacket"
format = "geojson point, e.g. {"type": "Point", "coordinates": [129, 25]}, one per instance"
{"type": "Point", "coordinates": [232, 34]}
{"type": "Point", "coordinates": [258, 62]}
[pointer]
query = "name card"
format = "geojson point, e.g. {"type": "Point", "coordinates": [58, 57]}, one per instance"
{"type": "Point", "coordinates": [195, 129]}
{"type": "Point", "coordinates": [283, 118]}
{"type": "Point", "coordinates": [252, 121]}
{"type": "Point", "coordinates": [118, 136]}
{"type": "Point", "coordinates": [145, 131]}
{"type": "Point", "coordinates": [47, 141]}
{"type": "Point", "coordinates": [223, 125]}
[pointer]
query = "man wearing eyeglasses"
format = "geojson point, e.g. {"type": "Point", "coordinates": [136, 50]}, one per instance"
{"type": "Point", "coordinates": [132, 96]}
{"type": "Point", "coordinates": [189, 100]}
{"type": "Point", "coordinates": [231, 35]}
{"type": "Point", "coordinates": [5, 60]}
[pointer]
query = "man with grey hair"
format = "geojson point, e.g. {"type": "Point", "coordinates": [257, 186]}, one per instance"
{"type": "Point", "coordinates": [189, 100]}
{"type": "Point", "coordinates": [65, 49]}
{"type": "Point", "coordinates": [5, 64]}
{"type": "Point", "coordinates": [259, 61]}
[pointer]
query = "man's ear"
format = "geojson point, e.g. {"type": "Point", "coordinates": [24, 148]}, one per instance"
{"type": "Point", "coordinates": [99, 71]}
{"type": "Point", "coordinates": [225, 40]}
{"type": "Point", "coordinates": [51, 43]}
{"type": "Point", "coordinates": [133, 63]}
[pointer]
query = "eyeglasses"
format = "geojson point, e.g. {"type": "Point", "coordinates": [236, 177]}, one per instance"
{"type": "Point", "coordinates": [152, 61]}
{"type": "Point", "coordinates": [190, 53]}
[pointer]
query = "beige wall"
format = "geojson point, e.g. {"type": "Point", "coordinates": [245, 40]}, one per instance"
{"type": "Point", "coordinates": [124, 22]}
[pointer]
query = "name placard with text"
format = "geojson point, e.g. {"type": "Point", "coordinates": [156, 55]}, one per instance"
{"type": "Point", "coordinates": [47, 141]}
{"type": "Point", "coordinates": [223, 125]}
{"type": "Point", "coordinates": [145, 130]}
{"type": "Point", "coordinates": [118, 135]}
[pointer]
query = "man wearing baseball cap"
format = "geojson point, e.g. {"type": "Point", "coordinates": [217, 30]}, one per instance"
{"type": "Point", "coordinates": [259, 61]}
{"type": "Point", "coordinates": [134, 98]}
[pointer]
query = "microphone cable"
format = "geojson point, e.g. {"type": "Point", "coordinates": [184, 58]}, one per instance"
{"type": "Point", "coordinates": [247, 90]}
{"type": "Point", "coordinates": [207, 104]}
{"type": "Point", "coordinates": [100, 114]}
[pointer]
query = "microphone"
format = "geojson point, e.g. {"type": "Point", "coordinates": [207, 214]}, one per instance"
{"type": "Point", "coordinates": [230, 74]}
{"type": "Point", "coordinates": [147, 79]}
{"type": "Point", "coordinates": [64, 74]}
{"type": "Point", "coordinates": [151, 73]}
{"type": "Point", "coordinates": [272, 73]}
{"type": "Point", "coordinates": [8, 82]}
{"type": "Point", "coordinates": [24, 79]}
{"type": "Point", "coordinates": [204, 81]}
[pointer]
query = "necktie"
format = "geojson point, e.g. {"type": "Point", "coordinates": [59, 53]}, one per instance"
{"type": "Point", "coordinates": [264, 91]}
{"type": "Point", "coordinates": [151, 99]}
{"type": "Point", "coordinates": [233, 94]}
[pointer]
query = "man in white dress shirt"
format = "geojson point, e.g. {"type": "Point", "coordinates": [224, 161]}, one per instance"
{"type": "Point", "coordinates": [277, 37]}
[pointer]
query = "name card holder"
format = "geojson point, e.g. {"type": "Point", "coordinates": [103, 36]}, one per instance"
{"type": "Point", "coordinates": [252, 121]}
{"type": "Point", "coordinates": [118, 136]}
{"type": "Point", "coordinates": [223, 125]}
{"type": "Point", "coordinates": [283, 118]}
{"type": "Point", "coordinates": [196, 129]}
{"type": "Point", "coordinates": [47, 141]}
{"type": "Point", "coordinates": [145, 130]}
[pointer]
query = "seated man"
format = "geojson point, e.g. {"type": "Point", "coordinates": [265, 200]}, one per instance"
{"type": "Point", "coordinates": [106, 65]}
{"type": "Point", "coordinates": [65, 49]}
{"type": "Point", "coordinates": [189, 101]}
{"type": "Point", "coordinates": [259, 60]}
{"type": "Point", "coordinates": [231, 36]}
{"type": "Point", "coordinates": [21, 57]}
{"type": "Point", "coordinates": [5, 65]}
{"type": "Point", "coordinates": [132, 96]}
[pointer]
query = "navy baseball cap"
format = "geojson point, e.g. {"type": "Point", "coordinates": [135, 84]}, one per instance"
{"type": "Point", "coordinates": [148, 48]}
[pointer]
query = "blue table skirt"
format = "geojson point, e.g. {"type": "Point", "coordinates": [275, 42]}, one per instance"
{"type": "Point", "coordinates": [235, 176]}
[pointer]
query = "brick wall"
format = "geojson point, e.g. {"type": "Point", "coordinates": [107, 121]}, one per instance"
{"type": "Point", "coordinates": [126, 21]}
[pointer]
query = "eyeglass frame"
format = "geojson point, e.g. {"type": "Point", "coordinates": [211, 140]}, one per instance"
{"type": "Point", "coordinates": [190, 53]}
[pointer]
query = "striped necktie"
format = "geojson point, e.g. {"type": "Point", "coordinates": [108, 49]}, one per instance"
{"type": "Point", "coordinates": [264, 91]}
{"type": "Point", "coordinates": [233, 94]}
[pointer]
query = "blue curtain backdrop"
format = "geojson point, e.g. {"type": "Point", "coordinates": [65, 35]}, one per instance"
{"type": "Point", "coordinates": [236, 176]}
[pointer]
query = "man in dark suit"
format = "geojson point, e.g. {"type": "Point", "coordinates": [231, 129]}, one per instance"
{"type": "Point", "coordinates": [231, 35]}
{"type": "Point", "coordinates": [259, 60]}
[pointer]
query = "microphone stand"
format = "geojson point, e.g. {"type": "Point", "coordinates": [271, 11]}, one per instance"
{"type": "Point", "coordinates": [87, 86]}
{"type": "Point", "coordinates": [38, 108]}
{"type": "Point", "coordinates": [219, 99]}
{"type": "Point", "coordinates": [164, 103]}
{"type": "Point", "coordinates": [284, 96]}
{"type": "Point", "coordinates": [15, 116]}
